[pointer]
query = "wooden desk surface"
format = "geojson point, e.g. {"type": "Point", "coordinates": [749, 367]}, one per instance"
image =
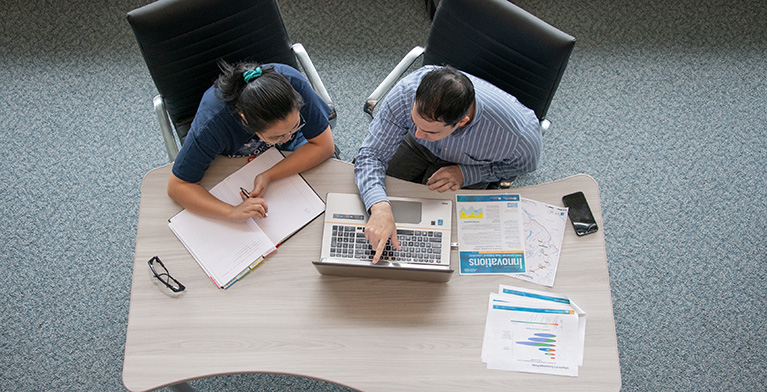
{"type": "Point", "coordinates": [368, 334]}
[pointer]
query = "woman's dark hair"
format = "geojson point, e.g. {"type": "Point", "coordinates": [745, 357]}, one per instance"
{"type": "Point", "coordinates": [445, 94]}
{"type": "Point", "coordinates": [263, 100]}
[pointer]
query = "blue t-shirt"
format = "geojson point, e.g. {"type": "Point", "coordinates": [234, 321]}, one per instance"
{"type": "Point", "coordinates": [217, 129]}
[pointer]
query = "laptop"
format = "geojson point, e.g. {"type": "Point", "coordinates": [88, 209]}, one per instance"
{"type": "Point", "coordinates": [423, 231]}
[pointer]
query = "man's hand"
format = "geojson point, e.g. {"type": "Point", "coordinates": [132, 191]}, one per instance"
{"type": "Point", "coordinates": [380, 228]}
{"type": "Point", "coordinates": [448, 178]}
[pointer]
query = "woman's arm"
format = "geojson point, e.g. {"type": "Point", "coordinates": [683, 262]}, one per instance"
{"type": "Point", "coordinates": [309, 155]}
{"type": "Point", "coordinates": [197, 199]}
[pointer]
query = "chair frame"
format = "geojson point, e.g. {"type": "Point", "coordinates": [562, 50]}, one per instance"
{"type": "Point", "coordinates": [530, 25]}
{"type": "Point", "coordinates": [164, 44]}
{"type": "Point", "coordinates": [396, 73]}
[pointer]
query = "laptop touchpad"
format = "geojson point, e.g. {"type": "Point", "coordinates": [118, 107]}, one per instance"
{"type": "Point", "coordinates": [406, 211]}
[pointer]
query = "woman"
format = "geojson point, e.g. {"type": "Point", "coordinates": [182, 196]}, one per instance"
{"type": "Point", "coordinates": [250, 108]}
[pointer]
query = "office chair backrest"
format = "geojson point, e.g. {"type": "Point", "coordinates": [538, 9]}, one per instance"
{"type": "Point", "coordinates": [183, 40]}
{"type": "Point", "coordinates": [499, 42]}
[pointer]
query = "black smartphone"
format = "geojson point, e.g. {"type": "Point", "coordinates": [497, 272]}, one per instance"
{"type": "Point", "coordinates": [580, 213]}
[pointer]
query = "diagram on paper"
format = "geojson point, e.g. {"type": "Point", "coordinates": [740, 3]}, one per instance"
{"type": "Point", "coordinates": [535, 343]}
{"type": "Point", "coordinates": [542, 345]}
{"type": "Point", "coordinates": [520, 335]}
{"type": "Point", "coordinates": [471, 213]}
{"type": "Point", "coordinates": [544, 229]}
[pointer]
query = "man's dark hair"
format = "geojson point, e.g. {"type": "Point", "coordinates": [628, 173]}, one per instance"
{"type": "Point", "coordinates": [263, 100]}
{"type": "Point", "coordinates": [445, 95]}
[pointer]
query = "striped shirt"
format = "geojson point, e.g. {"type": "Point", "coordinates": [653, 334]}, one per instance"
{"type": "Point", "coordinates": [503, 139]}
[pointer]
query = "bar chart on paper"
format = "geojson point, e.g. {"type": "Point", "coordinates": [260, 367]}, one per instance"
{"type": "Point", "coordinates": [530, 342]}
{"type": "Point", "coordinates": [532, 331]}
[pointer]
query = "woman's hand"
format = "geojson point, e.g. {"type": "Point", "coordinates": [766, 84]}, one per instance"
{"type": "Point", "coordinates": [260, 184]}
{"type": "Point", "coordinates": [252, 207]}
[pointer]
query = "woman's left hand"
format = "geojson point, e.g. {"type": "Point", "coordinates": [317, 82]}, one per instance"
{"type": "Point", "coordinates": [260, 184]}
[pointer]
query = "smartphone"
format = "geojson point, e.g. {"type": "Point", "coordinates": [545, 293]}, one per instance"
{"type": "Point", "coordinates": [580, 213]}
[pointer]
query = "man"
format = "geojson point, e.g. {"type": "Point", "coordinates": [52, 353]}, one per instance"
{"type": "Point", "coordinates": [448, 130]}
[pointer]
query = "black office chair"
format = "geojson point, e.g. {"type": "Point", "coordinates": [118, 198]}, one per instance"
{"type": "Point", "coordinates": [497, 41]}
{"type": "Point", "coordinates": [182, 42]}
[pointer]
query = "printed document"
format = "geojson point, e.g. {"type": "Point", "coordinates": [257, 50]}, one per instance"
{"type": "Point", "coordinates": [535, 332]}
{"type": "Point", "coordinates": [544, 230]}
{"type": "Point", "coordinates": [490, 234]}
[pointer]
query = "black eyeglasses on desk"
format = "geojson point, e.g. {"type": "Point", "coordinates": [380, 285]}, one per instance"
{"type": "Point", "coordinates": [161, 273]}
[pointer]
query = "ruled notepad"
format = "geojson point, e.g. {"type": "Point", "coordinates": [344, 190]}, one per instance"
{"type": "Point", "coordinates": [228, 250]}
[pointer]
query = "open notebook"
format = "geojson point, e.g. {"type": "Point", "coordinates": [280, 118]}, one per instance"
{"type": "Point", "coordinates": [227, 251]}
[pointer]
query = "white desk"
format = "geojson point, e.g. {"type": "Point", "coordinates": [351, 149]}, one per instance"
{"type": "Point", "coordinates": [368, 334]}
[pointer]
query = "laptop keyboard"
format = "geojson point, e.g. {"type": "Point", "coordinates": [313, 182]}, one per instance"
{"type": "Point", "coordinates": [418, 246]}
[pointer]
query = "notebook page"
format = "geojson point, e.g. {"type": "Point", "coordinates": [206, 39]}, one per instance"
{"type": "Point", "coordinates": [228, 190]}
{"type": "Point", "coordinates": [292, 202]}
{"type": "Point", "coordinates": [223, 249]}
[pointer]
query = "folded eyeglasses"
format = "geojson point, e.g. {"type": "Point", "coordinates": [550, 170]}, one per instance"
{"type": "Point", "coordinates": [161, 273]}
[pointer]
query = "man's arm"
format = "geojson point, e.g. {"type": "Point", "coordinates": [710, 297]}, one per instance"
{"type": "Point", "coordinates": [520, 162]}
{"type": "Point", "coordinates": [522, 156]}
{"type": "Point", "coordinates": [370, 174]}
{"type": "Point", "coordinates": [386, 132]}
{"type": "Point", "coordinates": [385, 135]}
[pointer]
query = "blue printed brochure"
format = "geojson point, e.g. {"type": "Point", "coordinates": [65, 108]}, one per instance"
{"type": "Point", "coordinates": [490, 235]}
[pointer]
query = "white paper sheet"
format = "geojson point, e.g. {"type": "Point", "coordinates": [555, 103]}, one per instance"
{"type": "Point", "coordinates": [534, 332]}
{"type": "Point", "coordinates": [490, 237]}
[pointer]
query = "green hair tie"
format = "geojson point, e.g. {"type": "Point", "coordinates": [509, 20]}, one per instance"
{"type": "Point", "coordinates": [252, 74]}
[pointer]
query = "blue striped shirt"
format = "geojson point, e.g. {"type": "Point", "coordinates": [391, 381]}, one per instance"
{"type": "Point", "coordinates": [503, 139]}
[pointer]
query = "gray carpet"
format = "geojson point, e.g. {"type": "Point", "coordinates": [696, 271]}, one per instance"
{"type": "Point", "coordinates": [663, 103]}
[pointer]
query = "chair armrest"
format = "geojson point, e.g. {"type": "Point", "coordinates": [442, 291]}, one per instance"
{"type": "Point", "coordinates": [545, 124]}
{"type": "Point", "coordinates": [311, 73]}
{"type": "Point", "coordinates": [167, 130]}
{"type": "Point", "coordinates": [391, 79]}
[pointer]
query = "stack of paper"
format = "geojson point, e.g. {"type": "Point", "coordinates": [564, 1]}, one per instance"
{"type": "Point", "coordinates": [533, 331]}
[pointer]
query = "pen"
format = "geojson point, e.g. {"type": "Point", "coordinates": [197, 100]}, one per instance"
{"type": "Point", "coordinates": [247, 196]}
